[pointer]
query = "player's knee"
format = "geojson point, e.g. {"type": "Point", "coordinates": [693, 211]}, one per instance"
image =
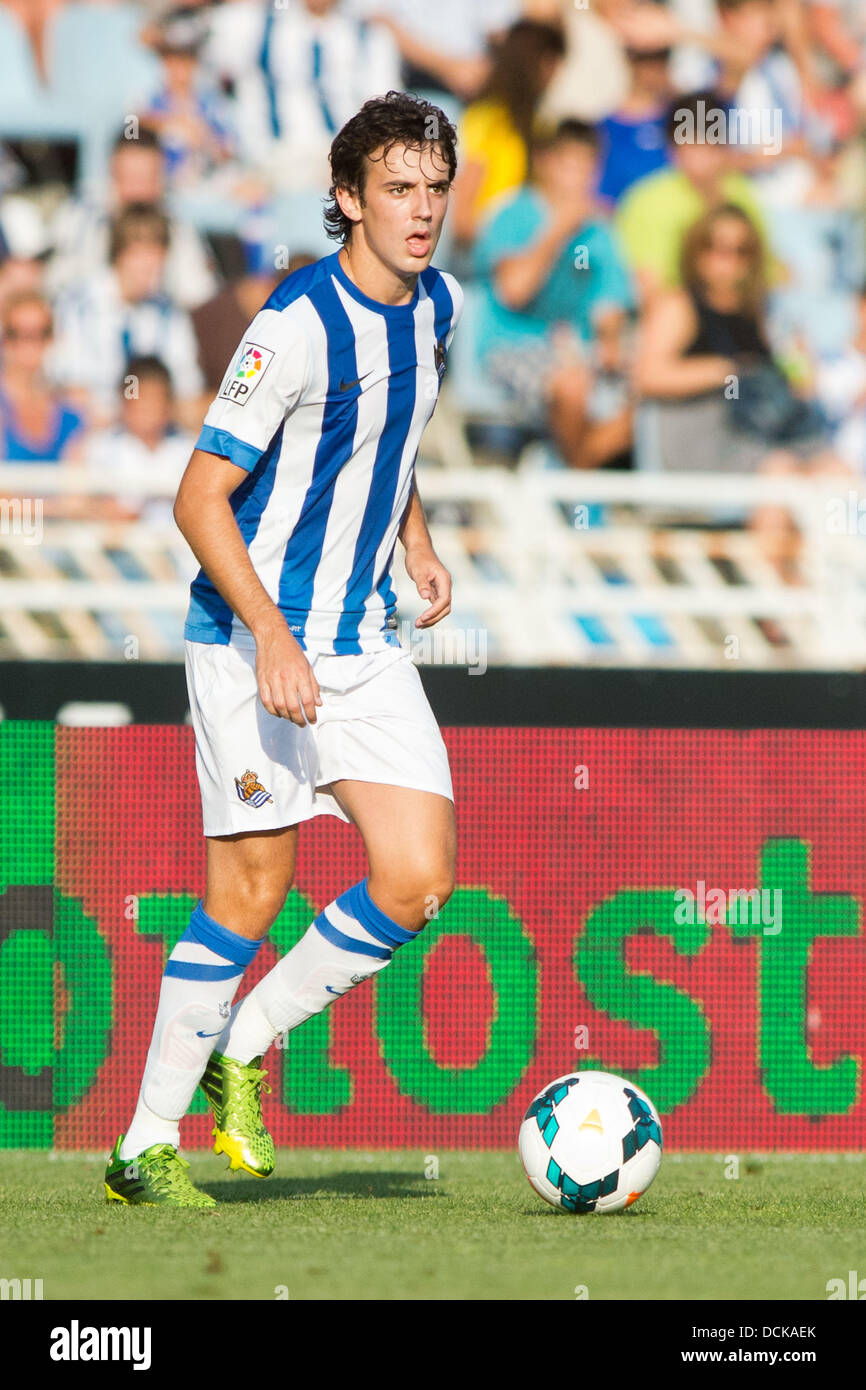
{"type": "Point", "coordinates": [260, 896]}
{"type": "Point", "coordinates": [429, 891]}
{"type": "Point", "coordinates": [414, 891]}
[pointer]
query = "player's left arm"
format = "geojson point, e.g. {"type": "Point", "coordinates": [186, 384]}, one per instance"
{"type": "Point", "coordinates": [423, 565]}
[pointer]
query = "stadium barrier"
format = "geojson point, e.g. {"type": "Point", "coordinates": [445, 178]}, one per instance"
{"type": "Point", "coordinates": [682, 907]}
{"type": "Point", "coordinates": [548, 568]}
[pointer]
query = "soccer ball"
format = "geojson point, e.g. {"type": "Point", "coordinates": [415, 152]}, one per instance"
{"type": "Point", "coordinates": [591, 1141]}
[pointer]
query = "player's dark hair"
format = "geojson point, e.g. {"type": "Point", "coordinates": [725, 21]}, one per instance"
{"type": "Point", "coordinates": [138, 222]}
{"type": "Point", "coordinates": [146, 367]}
{"type": "Point", "coordinates": [397, 118]}
{"type": "Point", "coordinates": [144, 139]}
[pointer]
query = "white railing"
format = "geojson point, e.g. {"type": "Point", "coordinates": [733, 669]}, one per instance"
{"type": "Point", "coordinates": [532, 574]}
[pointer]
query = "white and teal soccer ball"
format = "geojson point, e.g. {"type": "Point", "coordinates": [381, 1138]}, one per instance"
{"type": "Point", "coordinates": [591, 1141]}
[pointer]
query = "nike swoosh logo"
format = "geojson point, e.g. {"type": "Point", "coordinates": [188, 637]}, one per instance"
{"type": "Point", "coordinates": [348, 385]}
{"type": "Point", "coordinates": [334, 991]}
{"type": "Point", "coordinates": [209, 1035]}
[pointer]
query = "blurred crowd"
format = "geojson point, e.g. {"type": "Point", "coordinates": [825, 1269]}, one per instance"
{"type": "Point", "coordinates": [658, 217]}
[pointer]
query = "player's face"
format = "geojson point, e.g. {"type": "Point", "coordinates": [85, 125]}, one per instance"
{"type": "Point", "coordinates": [405, 201]}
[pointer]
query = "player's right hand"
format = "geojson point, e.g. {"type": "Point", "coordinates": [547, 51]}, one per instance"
{"type": "Point", "coordinates": [287, 686]}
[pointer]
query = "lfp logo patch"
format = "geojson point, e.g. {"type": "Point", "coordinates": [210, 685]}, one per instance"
{"type": "Point", "coordinates": [245, 376]}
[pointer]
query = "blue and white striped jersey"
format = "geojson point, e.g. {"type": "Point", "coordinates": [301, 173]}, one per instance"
{"type": "Point", "coordinates": [324, 404]}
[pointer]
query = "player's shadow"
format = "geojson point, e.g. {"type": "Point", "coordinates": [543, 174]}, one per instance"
{"type": "Point", "coordinates": [361, 1185]}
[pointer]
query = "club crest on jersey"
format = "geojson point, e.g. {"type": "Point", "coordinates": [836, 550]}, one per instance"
{"type": "Point", "coordinates": [439, 357]}
{"type": "Point", "coordinates": [250, 790]}
{"type": "Point", "coordinates": [246, 375]}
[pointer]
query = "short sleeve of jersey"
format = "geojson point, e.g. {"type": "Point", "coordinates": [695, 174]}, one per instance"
{"type": "Point", "coordinates": [264, 383]}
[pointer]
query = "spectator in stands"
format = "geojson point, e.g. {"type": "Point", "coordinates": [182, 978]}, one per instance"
{"type": "Point", "coordinates": [147, 436]}
{"type": "Point", "coordinates": [556, 301]}
{"type": "Point", "coordinates": [189, 115]}
{"type": "Point", "coordinates": [298, 73]}
{"type": "Point", "coordinates": [444, 47]}
{"type": "Point", "coordinates": [81, 229]}
{"type": "Point", "coordinates": [764, 78]}
{"type": "Point", "coordinates": [593, 80]}
{"type": "Point", "coordinates": [658, 210]}
{"type": "Point", "coordinates": [124, 311]}
{"type": "Point", "coordinates": [222, 322]}
{"type": "Point", "coordinates": [836, 33]}
{"type": "Point", "coordinates": [495, 131]}
{"type": "Point", "coordinates": [634, 137]}
{"type": "Point", "coordinates": [720, 402]}
{"type": "Point", "coordinates": [23, 249]}
{"type": "Point", "coordinates": [37, 425]}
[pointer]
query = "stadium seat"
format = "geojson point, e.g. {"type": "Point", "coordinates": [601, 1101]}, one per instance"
{"type": "Point", "coordinates": [19, 81]}
{"type": "Point", "coordinates": [96, 60]}
{"type": "Point", "coordinates": [100, 70]}
{"type": "Point", "coordinates": [26, 107]}
{"type": "Point", "coordinates": [297, 220]}
{"type": "Point", "coordinates": [451, 105]}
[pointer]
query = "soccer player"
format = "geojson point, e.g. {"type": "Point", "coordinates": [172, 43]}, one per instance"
{"type": "Point", "coordinates": [302, 699]}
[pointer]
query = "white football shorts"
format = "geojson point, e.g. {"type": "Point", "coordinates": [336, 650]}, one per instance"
{"type": "Point", "coordinates": [257, 771]}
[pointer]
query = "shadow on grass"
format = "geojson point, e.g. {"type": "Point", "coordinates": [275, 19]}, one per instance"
{"type": "Point", "coordinates": [366, 1186]}
{"type": "Point", "coordinates": [547, 1211]}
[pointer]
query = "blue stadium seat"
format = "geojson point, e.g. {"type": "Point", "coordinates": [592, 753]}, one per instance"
{"type": "Point", "coordinates": [451, 105]}
{"type": "Point", "coordinates": [97, 61]}
{"type": "Point", "coordinates": [297, 219]}
{"type": "Point", "coordinates": [26, 107]}
{"type": "Point", "coordinates": [100, 70]}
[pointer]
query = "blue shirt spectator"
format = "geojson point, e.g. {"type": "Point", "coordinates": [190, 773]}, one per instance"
{"type": "Point", "coordinates": [630, 150]}
{"type": "Point", "coordinates": [587, 276]}
{"type": "Point", "coordinates": [633, 139]}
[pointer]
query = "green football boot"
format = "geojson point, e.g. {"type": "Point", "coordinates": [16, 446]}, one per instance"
{"type": "Point", "coordinates": [235, 1095]}
{"type": "Point", "coordinates": [156, 1178]}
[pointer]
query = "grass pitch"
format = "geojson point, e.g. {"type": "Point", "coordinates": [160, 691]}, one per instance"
{"type": "Point", "coordinates": [361, 1225]}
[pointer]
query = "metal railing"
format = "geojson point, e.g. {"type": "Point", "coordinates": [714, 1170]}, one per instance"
{"type": "Point", "coordinates": [549, 568]}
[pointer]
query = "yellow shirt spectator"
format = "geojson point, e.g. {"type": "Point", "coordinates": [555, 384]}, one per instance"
{"type": "Point", "coordinates": [487, 137]}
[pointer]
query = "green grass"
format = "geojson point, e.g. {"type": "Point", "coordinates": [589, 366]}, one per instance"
{"type": "Point", "coordinates": [360, 1225]}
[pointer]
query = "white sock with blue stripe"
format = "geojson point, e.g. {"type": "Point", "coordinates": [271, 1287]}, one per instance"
{"type": "Point", "coordinates": [348, 942]}
{"type": "Point", "coordinates": [201, 978]}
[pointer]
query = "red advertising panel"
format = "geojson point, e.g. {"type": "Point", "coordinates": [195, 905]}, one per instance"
{"type": "Point", "coordinates": [681, 907]}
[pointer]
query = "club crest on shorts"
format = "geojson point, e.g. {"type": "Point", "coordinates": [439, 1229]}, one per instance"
{"type": "Point", "coordinates": [250, 790]}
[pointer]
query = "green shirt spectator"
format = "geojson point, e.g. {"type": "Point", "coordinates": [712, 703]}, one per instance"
{"type": "Point", "coordinates": [657, 212]}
